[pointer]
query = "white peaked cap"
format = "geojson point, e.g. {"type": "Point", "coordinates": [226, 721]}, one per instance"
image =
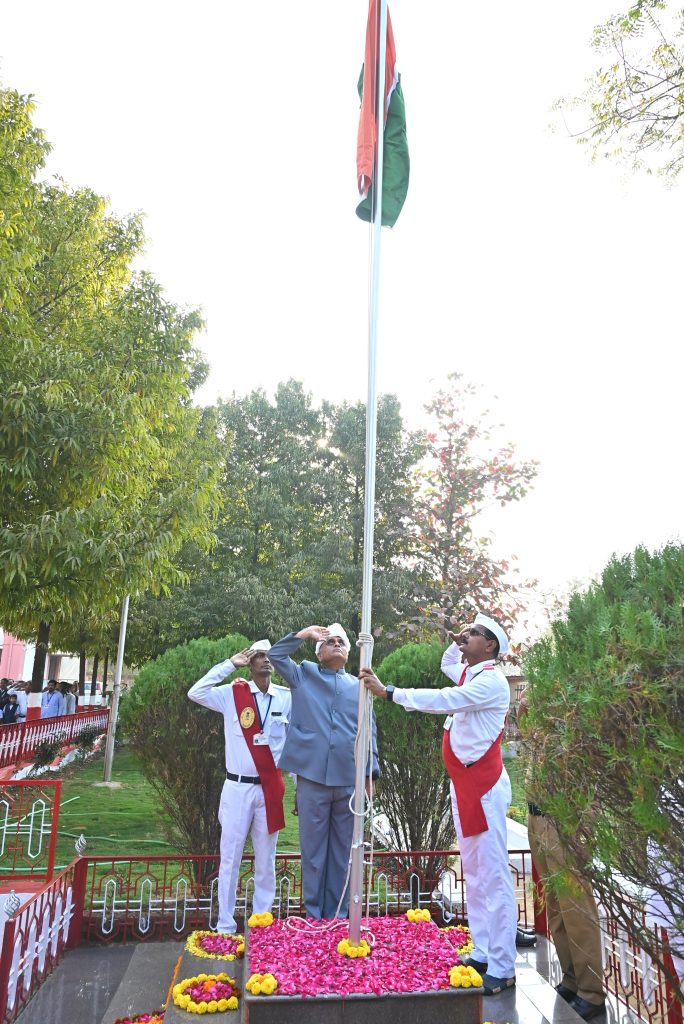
{"type": "Point", "coordinates": [493, 626]}
{"type": "Point", "coordinates": [261, 645]}
{"type": "Point", "coordinates": [336, 630]}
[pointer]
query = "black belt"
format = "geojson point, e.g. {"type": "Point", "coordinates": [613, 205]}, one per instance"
{"type": "Point", "coordinates": [253, 780]}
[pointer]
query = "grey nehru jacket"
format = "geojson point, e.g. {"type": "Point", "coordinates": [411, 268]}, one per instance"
{"type": "Point", "coordinates": [323, 723]}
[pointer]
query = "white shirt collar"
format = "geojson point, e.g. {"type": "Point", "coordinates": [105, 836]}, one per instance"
{"type": "Point", "coordinates": [481, 666]}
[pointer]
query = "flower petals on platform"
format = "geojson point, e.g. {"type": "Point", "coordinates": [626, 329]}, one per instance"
{"type": "Point", "coordinates": [403, 959]}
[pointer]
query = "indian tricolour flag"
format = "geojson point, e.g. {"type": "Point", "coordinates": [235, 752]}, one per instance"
{"type": "Point", "coordinates": [395, 152]}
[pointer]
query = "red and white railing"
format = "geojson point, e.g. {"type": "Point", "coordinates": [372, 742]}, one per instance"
{"type": "Point", "coordinates": [29, 813]}
{"type": "Point", "coordinates": [19, 741]}
{"type": "Point", "coordinates": [33, 943]}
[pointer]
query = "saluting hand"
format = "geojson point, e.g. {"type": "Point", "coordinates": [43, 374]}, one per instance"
{"type": "Point", "coordinates": [458, 638]}
{"type": "Point", "coordinates": [242, 658]}
{"type": "Point", "coordinates": [314, 633]}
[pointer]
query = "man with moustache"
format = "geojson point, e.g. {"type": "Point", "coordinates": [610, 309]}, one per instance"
{"type": "Point", "coordinates": [256, 715]}
{"type": "Point", "coordinates": [477, 706]}
{"type": "Point", "coordinates": [320, 751]}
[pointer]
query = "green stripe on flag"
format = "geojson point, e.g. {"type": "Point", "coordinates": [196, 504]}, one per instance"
{"type": "Point", "coordinates": [396, 163]}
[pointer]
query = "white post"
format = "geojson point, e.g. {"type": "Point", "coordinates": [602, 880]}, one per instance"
{"type": "Point", "coordinates": [356, 874]}
{"type": "Point", "coordinates": [116, 689]}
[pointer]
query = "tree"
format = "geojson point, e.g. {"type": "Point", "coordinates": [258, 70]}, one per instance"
{"type": "Point", "coordinates": [105, 467]}
{"type": "Point", "coordinates": [604, 734]}
{"type": "Point", "coordinates": [23, 149]}
{"type": "Point", "coordinates": [288, 548]}
{"type": "Point", "coordinates": [464, 474]}
{"type": "Point", "coordinates": [181, 745]}
{"type": "Point", "coordinates": [636, 102]}
{"type": "Point", "coordinates": [413, 788]}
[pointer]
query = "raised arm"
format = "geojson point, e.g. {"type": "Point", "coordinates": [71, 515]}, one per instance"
{"type": "Point", "coordinates": [206, 690]}
{"type": "Point", "coordinates": [452, 660]}
{"type": "Point", "coordinates": [280, 652]}
{"type": "Point", "coordinates": [477, 695]}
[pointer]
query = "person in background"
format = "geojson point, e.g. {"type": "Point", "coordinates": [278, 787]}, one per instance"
{"type": "Point", "coordinates": [52, 703]}
{"type": "Point", "coordinates": [9, 712]}
{"type": "Point", "coordinates": [21, 688]}
{"type": "Point", "coordinates": [69, 699]}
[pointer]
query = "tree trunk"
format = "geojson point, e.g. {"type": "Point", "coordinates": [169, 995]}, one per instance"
{"type": "Point", "coordinates": [93, 681]}
{"type": "Point", "coordinates": [38, 673]}
{"type": "Point", "coordinates": [104, 672]}
{"type": "Point", "coordinates": [81, 671]}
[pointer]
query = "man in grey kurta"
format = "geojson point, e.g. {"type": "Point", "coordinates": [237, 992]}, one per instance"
{"type": "Point", "coordinates": [320, 750]}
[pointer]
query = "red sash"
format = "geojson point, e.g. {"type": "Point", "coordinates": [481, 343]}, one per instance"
{"type": "Point", "coordinates": [271, 778]}
{"type": "Point", "coordinates": [471, 784]}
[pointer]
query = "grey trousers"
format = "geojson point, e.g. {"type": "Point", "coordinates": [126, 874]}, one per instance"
{"type": "Point", "coordinates": [326, 828]}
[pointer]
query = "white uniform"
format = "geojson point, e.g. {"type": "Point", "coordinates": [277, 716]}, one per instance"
{"type": "Point", "coordinates": [477, 712]}
{"type": "Point", "coordinates": [22, 704]}
{"type": "Point", "coordinates": [242, 809]}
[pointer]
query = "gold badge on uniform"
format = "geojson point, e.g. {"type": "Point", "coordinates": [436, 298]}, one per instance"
{"type": "Point", "coordinates": [247, 717]}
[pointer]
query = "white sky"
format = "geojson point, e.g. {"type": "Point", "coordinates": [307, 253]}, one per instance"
{"type": "Point", "coordinates": [554, 282]}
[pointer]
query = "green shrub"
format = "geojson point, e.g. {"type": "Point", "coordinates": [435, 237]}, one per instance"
{"type": "Point", "coordinates": [180, 744]}
{"type": "Point", "coordinates": [605, 729]}
{"type": "Point", "coordinates": [413, 789]}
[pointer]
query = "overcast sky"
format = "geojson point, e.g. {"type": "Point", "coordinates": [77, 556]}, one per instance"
{"type": "Point", "coordinates": [553, 282]}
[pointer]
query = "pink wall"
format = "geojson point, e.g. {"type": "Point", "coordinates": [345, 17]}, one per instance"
{"type": "Point", "coordinates": [12, 658]}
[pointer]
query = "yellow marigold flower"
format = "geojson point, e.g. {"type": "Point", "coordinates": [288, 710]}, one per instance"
{"type": "Point", "coordinates": [223, 1005]}
{"type": "Point", "coordinates": [201, 1008]}
{"type": "Point", "coordinates": [212, 1006]}
{"type": "Point", "coordinates": [201, 977]}
{"type": "Point", "coordinates": [192, 1006]}
{"type": "Point", "coordinates": [233, 1003]}
{"type": "Point", "coordinates": [455, 980]}
{"type": "Point", "coordinates": [256, 988]}
{"type": "Point", "coordinates": [268, 987]}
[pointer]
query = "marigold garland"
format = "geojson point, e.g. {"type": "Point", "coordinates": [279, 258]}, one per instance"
{"type": "Point", "coordinates": [207, 993]}
{"type": "Point", "coordinates": [216, 946]}
{"type": "Point", "coordinates": [462, 939]}
{"type": "Point", "coordinates": [262, 984]}
{"type": "Point", "coordinates": [418, 915]}
{"type": "Point", "coordinates": [156, 1017]}
{"type": "Point", "coordinates": [461, 976]}
{"type": "Point", "coordinates": [352, 950]}
{"type": "Point", "coordinates": [261, 920]}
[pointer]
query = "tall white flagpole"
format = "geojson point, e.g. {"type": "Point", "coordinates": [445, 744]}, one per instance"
{"type": "Point", "coordinates": [356, 874]}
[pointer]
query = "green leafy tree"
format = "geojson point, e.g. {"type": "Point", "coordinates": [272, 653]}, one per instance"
{"type": "Point", "coordinates": [288, 547]}
{"type": "Point", "coordinates": [464, 474]}
{"type": "Point", "coordinates": [605, 736]}
{"type": "Point", "coordinates": [413, 789]}
{"type": "Point", "coordinates": [181, 745]}
{"type": "Point", "coordinates": [105, 467]}
{"type": "Point", "coordinates": [23, 149]}
{"type": "Point", "coordinates": [634, 103]}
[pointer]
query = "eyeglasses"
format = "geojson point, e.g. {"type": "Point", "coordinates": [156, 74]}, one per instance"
{"type": "Point", "coordinates": [477, 632]}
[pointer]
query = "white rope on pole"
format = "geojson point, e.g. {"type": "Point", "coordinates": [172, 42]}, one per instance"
{"type": "Point", "coordinates": [356, 878]}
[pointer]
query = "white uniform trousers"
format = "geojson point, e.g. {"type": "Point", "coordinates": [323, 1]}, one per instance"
{"type": "Point", "coordinates": [243, 811]}
{"type": "Point", "coordinates": [490, 896]}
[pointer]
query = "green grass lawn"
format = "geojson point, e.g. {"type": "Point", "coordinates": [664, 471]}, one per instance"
{"type": "Point", "coordinates": [127, 822]}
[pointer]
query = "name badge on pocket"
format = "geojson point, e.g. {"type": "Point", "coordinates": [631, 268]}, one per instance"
{"type": "Point", "coordinates": [448, 721]}
{"type": "Point", "coordinates": [260, 740]}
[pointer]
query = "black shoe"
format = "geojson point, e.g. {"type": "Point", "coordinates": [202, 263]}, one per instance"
{"type": "Point", "coordinates": [525, 939]}
{"type": "Point", "coordinates": [492, 986]}
{"type": "Point", "coordinates": [566, 993]}
{"type": "Point", "coordinates": [587, 1010]}
{"type": "Point", "coordinates": [477, 965]}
